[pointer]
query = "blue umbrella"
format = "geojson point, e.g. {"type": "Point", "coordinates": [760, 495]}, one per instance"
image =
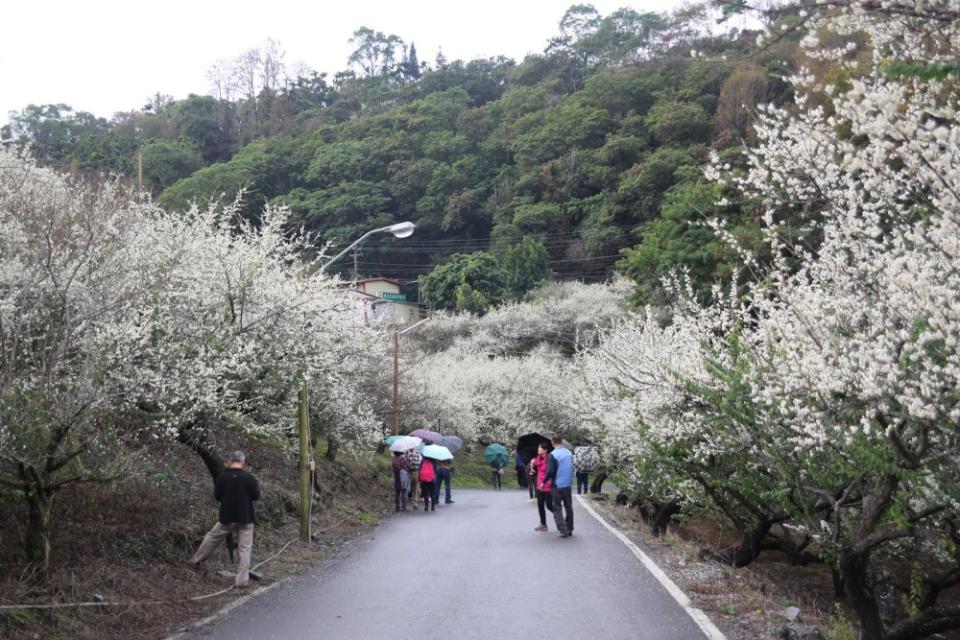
{"type": "Point", "coordinates": [389, 441]}
{"type": "Point", "coordinates": [436, 452]}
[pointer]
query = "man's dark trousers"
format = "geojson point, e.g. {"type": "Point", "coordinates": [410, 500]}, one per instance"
{"type": "Point", "coordinates": [443, 476]}
{"type": "Point", "coordinates": [583, 482]}
{"type": "Point", "coordinates": [563, 501]}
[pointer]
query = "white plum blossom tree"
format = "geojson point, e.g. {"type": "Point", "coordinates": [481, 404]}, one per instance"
{"type": "Point", "coordinates": [237, 322]}
{"type": "Point", "coordinates": [64, 276]}
{"type": "Point", "coordinates": [117, 317]}
{"type": "Point", "coordinates": [829, 403]}
{"type": "Point", "coordinates": [513, 371]}
{"type": "Point", "coordinates": [498, 399]}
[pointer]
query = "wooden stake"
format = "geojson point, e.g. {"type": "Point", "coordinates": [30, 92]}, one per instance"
{"type": "Point", "coordinates": [303, 424]}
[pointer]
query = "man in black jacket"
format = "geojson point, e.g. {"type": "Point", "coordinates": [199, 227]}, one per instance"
{"type": "Point", "coordinates": [235, 490]}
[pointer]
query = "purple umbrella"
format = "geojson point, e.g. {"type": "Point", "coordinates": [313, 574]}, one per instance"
{"type": "Point", "coordinates": [453, 443]}
{"type": "Point", "coordinates": [426, 435]}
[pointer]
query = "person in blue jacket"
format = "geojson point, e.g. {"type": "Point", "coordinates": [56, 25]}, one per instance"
{"type": "Point", "coordinates": [521, 468]}
{"type": "Point", "coordinates": [560, 474]}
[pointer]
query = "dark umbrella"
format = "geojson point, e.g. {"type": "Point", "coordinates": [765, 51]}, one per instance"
{"type": "Point", "coordinates": [430, 437]}
{"type": "Point", "coordinates": [527, 445]}
{"type": "Point", "coordinates": [451, 442]}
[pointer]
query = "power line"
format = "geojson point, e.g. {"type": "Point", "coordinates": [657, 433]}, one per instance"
{"type": "Point", "coordinates": [404, 264]}
{"type": "Point", "coordinates": [481, 241]}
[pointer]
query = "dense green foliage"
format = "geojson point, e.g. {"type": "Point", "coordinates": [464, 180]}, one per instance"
{"type": "Point", "coordinates": [474, 282]}
{"type": "Point", "coordinates": [594, 148]}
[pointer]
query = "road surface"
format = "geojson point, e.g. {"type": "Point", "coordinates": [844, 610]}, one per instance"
{"type": "Point", "coordinates": [472, 570]}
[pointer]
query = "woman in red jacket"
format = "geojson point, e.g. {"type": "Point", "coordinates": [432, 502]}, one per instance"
{"type": "Point", "coordinates": [544, 498]}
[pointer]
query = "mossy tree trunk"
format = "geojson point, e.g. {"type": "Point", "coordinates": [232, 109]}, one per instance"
{"type": "Point", "coordinates": [37, 538]}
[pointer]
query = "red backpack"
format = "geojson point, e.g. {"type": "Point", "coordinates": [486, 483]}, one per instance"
{"type": "Point", "coordinates": [427, 473]}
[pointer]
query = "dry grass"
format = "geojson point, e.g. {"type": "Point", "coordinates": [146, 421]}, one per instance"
{"type": "Point", "coordinates": [130, 543]}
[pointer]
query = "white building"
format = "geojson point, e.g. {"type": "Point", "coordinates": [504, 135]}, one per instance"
{"type": "Point", "coordinates": [380, 300]}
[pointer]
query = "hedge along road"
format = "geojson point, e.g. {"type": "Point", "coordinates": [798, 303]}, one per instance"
{"type": "Point", "coordinates": [472, 570]}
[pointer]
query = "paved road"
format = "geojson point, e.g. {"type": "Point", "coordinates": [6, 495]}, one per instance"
{"type": "Point", "coordinates": [472, 570]}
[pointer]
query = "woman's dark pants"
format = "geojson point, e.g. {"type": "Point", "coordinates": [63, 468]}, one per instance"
{"type": "Point", "coordinates": [544, 502]}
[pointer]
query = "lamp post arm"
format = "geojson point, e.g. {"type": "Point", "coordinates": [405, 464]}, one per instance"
{"type": "Point", "coordinates": [351, 246]}
{"type": "Point", "coordinates": [413, 326]}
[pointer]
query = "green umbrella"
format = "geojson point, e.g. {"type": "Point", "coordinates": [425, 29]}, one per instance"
{"type": "Point", "coordinates": [389, 441]}
{"type": "Point", "coordinates": [496, 455]}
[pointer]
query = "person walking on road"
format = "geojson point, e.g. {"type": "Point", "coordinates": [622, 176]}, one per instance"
{"type": "Point", "coordinates": [521, 468]}
{"type": "Point", "coordinates": [496, 476]}
{"type": "Point", "coordinates": [443, 476]}
{"type": "Point", "coordinates": [236, 490]}
{"type": "Point", "coordinates": [414, 458]}
{"type": "Point", "coordinates": [583, 481]}
{"type": "Point", "coordinates": [428, 474]}
{"type": "Point", "coordinates": [401, 481]}
{"type": "Point", "coordinates": [532, 479]}
{"type": "Point", "coordinates": [560, 474]}
{"type": "Point", "coordinates": [544, 495]}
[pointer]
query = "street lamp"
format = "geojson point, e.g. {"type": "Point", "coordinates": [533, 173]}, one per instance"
{"type": "Point", "coordinates": [399, 230]}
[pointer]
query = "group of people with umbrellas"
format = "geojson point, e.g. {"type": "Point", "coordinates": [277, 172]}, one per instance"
{"type": "Point", "coordinates": [421, 464]}
{"type": "Point", "coordinates": [421, 460]}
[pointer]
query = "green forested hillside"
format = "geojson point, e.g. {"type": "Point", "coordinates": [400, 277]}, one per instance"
{"type": "Point", "coordinates": [593, 149]}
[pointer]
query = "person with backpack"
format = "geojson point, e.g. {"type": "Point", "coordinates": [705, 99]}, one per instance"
{"type": "Point", "coordinates": [560, 475]}
{"type": "Point", "coordinates": [428, 475]}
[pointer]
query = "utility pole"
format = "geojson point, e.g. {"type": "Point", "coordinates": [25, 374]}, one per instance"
{"type": "Point", "coordinates": [303, 424]}
{"type": "Point", "coordinates": [396, 372]}
{"type": "Point", "coordinates": [396, 382]}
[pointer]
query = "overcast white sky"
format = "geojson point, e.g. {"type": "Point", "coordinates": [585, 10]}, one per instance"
{"type": "Point", "coordinates": [105, 56]}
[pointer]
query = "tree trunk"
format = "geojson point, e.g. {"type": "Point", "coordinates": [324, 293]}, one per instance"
{"type": "Point", "coordinates": [796, 553]}
{"type": "Point", "coordinates": [37, 539]}
{"type": "Point", "coordinates": [663, 516]}
{"type": "Point", "coordinates": [751, 544]}
{"type": "Point", "coordinates": [839, 591]}
{"type": "Point", "coordinates": [332, 449]}
{"type": "Point", "coordinates": [198, 444]}
{"type": "Point", "coordinates": [853, 566]}
{"type": "Point", "coordinates": [928, 622]}
{"type": "Point", "coordinates": [597, 485]}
